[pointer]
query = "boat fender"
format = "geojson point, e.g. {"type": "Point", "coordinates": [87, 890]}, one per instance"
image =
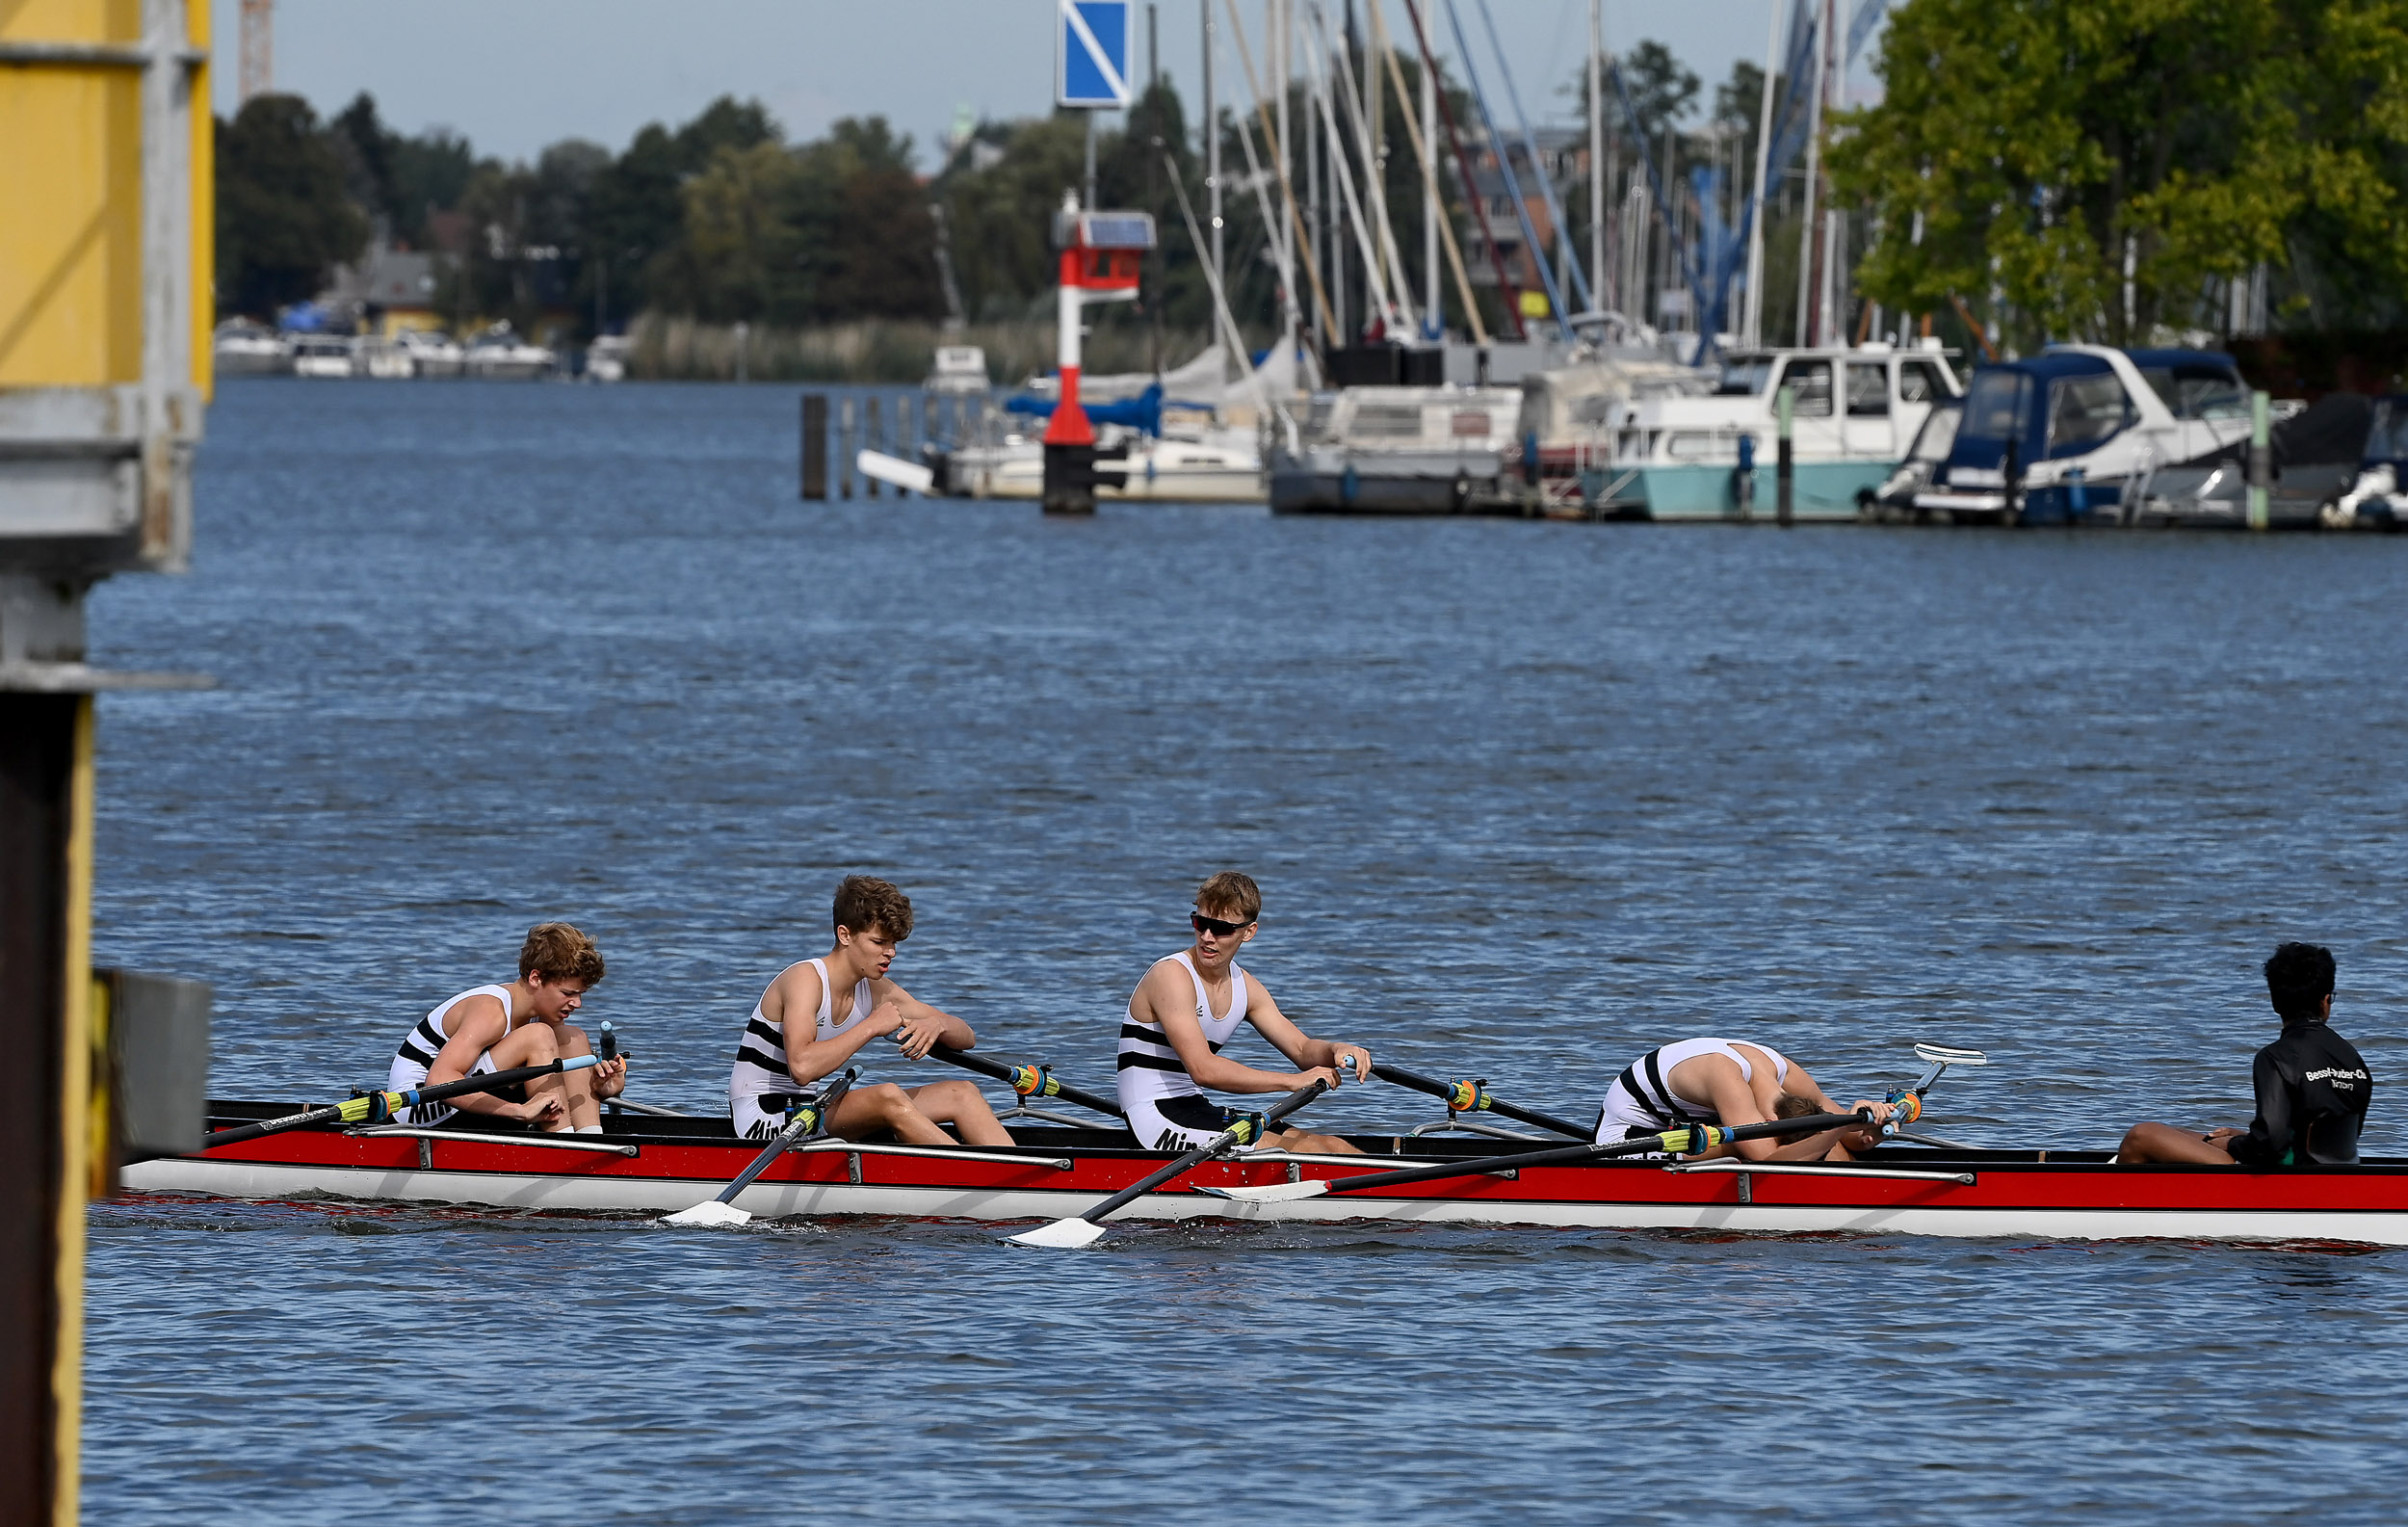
{"type": "Point", "coordinates": [1461, 488]}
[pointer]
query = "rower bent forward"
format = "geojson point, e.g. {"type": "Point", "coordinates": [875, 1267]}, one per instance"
{"type": "Point", "coordinates": [514, 1023]}
{"type": "Point", "coordinates": [1730, 1082]}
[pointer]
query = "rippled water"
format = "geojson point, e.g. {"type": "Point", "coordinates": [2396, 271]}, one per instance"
{"type": "Point", "coordinates": [1523, 799]}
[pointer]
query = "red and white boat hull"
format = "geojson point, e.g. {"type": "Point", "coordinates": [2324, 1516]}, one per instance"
{"type": "Point", "coordinates": [2048, 1196]}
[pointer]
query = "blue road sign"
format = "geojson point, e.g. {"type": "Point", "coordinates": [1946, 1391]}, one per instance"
{"type": "Point", "coordinates": [1092, 54]}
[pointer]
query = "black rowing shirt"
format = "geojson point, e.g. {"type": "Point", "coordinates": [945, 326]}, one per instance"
{"type": "Point", "coordinates": [2313, 1091]}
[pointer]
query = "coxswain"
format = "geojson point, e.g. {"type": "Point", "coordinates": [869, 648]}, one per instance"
{"type": "Point", "coordinates": [1187, 1008]}
{"type": "Point", "coordinates": [514, 1023]}
{"type": "Point", "coordinates": [2313, 1088]}
{"type": "Point", "coordinates": [1731, 1082]}
{"type": "Point", "coordinates": [873, 919]}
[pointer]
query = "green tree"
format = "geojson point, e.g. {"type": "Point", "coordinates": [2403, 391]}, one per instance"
{"type": "Point", "coordinates": [869, 245]}
{"type": "Point", "coordinates": [283, 219]}
{"type": "Point", "coordinates": [2027, 155]}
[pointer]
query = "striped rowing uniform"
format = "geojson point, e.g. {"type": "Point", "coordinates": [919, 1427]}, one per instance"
{"type": "Point", "coordinates": [760, 1089]}
{"type": "Point", "coordinates": [1642, 1100]}
{"type": "Point", "coordinates": [423, 1043]}
{"type": "Point", "coordinates": [1167, 1109]}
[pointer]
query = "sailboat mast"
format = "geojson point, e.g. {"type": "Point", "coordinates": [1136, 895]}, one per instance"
{"type": "Point", "coordinates": [1807, 231]}
{"type": "Point", "coordinates": [1596, 155]}
{"type": "Point", "coordinates": [1752, 331]}
{"type": "Point", "coordinates": [1211, 151]}
{"type": "Point", "coordinates": [1433, 322]}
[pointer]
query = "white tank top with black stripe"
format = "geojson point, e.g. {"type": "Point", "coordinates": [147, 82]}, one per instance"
{"type": "Point", "coordinates": [1150, 1069]}
{"type": "Point", "coordinates": [1642, 1098]}
{"type": "Point", "coordinates": [424, 1042]}
{"type": "Point", "coordinates": [761, 1055]}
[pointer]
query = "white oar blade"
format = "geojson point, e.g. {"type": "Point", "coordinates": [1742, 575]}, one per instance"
{"type": "Point", "coordinates": [1276, 1191]}
{"type": "Point", "coordinates": [711, 1216]}
{"type": "Point", "coordinates": [1062, 1235]}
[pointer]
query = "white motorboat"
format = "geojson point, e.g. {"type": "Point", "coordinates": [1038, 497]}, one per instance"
{"type": "Point", "coordinates": [432, 352]}
{"type": "Point", "coordinates": [499, 355]}
{"type": "Point", "coordinates": [960, 371]}
{"type": "Point", "coordinates": [606, 359]}
{"type": "Point", "coordinates": [246, 348]}
{"type": "Point", "coordinates": [2060, 437]}
{"type": "Point", "coordinates": [1854, 412]}
{"type": "Point", "coordinates": [324, 356]}
{"type": "Point", "coordinates": [1397, 450]}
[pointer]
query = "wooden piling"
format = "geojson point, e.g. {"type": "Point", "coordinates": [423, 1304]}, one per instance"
{"type": "Point", "coordinates": [815, 446]}
{"type": "Point", "coordinates": [871, 439]}
{"type": "Point", "coordinates": [844, 447]}
{"type": "Point", "coordinates": [1785, 463]}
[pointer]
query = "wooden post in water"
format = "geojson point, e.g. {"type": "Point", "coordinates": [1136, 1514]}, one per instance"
{"type": "Point", "coordinates": [1784, 462]}
{"type": "Point", "coordinates": [873, 440]}
{"type": "Point", "coordinates": [844, 447]}
{"type": "Point", "coordinates": [2261, 459]}
{"type": "Point", "coordinates": [815, 445]}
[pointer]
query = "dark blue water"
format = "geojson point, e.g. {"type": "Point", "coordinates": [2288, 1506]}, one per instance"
{"type": "Point", "coordinates": [1523, 799]}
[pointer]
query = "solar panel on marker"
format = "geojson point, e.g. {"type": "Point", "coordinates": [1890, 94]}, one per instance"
{"type": "Point", "coordinates": [1092, 50]}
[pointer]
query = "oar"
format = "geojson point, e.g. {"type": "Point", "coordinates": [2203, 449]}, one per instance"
{"type": "Point", "coordinates": [1686, 1141]}
{"type": "Point", "coordinates": [1474, 1097]}
{"type": "Point", "coordinates": [1029, 1081]}
{"type": "Point", "coordinates": [1085, 1228]}
{"type": "Point", "coordinates": [808, 1122]}
{"type": "Point", "coordinates": [375, 1108]}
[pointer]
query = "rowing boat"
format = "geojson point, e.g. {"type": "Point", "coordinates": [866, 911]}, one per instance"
{"type": "Point", "coordinates": [655, 1165]}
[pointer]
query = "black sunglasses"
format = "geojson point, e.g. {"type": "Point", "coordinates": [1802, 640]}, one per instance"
{"type": "Point", "coordinates": [1213, 925]}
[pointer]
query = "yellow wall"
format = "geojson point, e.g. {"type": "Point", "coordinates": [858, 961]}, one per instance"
{"type": "Point", "coordinates": [71, 201]}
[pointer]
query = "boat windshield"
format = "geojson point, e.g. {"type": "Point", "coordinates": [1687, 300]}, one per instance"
{"type": "Point", "coordinates": [2199, 392]}
{"type": "Point", "coordinates": [1745, 377]}
{"type": "Point", "coordinates": [2388, 440]}
{"type": "Point", "coordinates": [2086, 410]}
{"type": "Point", "coordinates": [1938, 436]}
{"type": "Point", "coordinates": [1993, 406]}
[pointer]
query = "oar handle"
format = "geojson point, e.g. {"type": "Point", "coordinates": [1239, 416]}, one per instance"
{"type": "Point", "coordinates": [1236, 1136]}
{"type": "Point", "coordinates": [1029, 1081]}
{"type": "Point", "coordinates": [1468, 1097]}
{"type": "Point", "coordinates": [373, 1108]}
{"type": "Point", "coordinates": [1688, 1140]}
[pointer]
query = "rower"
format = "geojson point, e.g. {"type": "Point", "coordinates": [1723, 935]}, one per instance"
{"type": "Point", "coordinates": [2313, 1089]}
{"type": "Point", "coordinates": [873, 919]}
{"type": "Point", "coordinates": [1186, 1009]}
{"type": "Point", "coordinates": [1730, 1082]}
{"type": "Point", "coordinates": [514, 1023]}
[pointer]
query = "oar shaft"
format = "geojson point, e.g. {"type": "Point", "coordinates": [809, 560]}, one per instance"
{"type": "Point", "coordinates": [1438, 1089]}
{"type": "Point", "coordinates": [362, 1109]}
{"type": "Point", "coordinates": [1665, 1142]}
{"type": "Point", "coordinates": [1148, 1183]}
{"type": "Point", "coordinates": [1050, 1086]}
{"type": "Point", "coordinates": [810, 1120]}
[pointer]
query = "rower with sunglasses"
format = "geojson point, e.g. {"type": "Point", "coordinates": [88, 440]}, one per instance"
{"type": "Point", "coordinates": [1184, 1011]}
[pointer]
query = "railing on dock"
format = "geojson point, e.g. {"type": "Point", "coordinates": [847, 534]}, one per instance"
{"type": "Point", "coordinates": [839, 423]}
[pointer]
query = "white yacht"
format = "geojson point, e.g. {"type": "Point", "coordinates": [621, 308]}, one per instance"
{"type": "Point", "coordinates": [324, 356]}
{"type": "Point", "coordinates": [246, 348]}
{"type": "Point", "coordinates": [606, 359]}
{"type": "Point", "coordinates": [1397, 450]}
{"type": "Point", "coordinates": [1855, 412]}
{"type": "Point", "coordinates": [498, 354]}
{"type": "Point", "coordinates": [2061, 437]}
{"type": "Point", "coordinates": [432, 352]}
